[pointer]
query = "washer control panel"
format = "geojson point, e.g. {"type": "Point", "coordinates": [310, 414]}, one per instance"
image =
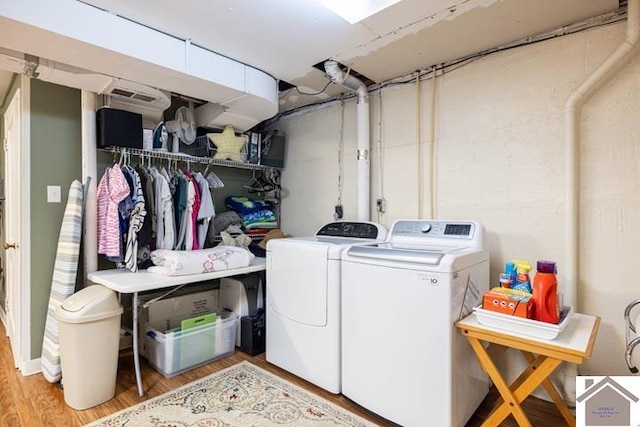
{"type": "Point", "coordinates": [434, 228]}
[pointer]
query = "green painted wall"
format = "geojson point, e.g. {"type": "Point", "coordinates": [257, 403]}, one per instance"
{"type": "Point", "coordinates": [56, 159]}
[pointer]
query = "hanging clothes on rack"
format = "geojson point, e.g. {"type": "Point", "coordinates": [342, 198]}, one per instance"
{"type": "Point", "coordinates": [185, 236]}
{"type": "Point", "coordinates": [207, 209]}
{"type": "Point", "coordinates": [121, 211]}
{"type": "Point", "coordinates": [191, 240]}
{"type": "Point", "coordinates": [112, 190]}
{"type": "Point", "coordinates": [150, 207]}
{"type": "Point", "coordinates": [165, 232]}
{"type": "Point", "coordinates": [135, 223]}
{"type": "Point", "coordinates": [147, 233]}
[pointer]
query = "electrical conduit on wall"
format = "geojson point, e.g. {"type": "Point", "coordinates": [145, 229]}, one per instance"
{"type": "Point", "coordinates": [419, 143]}
{"type": "Point", "coordinates": [381, 210]}
{"type": "Point", "coordinates": [338, 76]}
{"type": "Point", "coordinates": [572, 139]}
{"type": "Point", "coordinates": [432, 141]}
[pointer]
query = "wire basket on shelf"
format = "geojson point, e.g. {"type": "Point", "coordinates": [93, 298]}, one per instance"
{"type": "Point", "coordinates": [203, 147]}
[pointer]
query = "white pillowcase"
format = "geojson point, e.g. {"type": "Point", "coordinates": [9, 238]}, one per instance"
{"type": "Point", "coordinates": [182, 263]}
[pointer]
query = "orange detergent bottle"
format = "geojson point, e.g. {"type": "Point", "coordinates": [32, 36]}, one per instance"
{"type": "Point", "coordinates": [545, 293]}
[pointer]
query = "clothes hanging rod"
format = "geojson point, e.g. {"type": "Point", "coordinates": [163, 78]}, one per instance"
{"type": "Point", "coordinates": [185, 158]}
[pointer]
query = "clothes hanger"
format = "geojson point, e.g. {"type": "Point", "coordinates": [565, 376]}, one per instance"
{"type": "Point", "coordinates": [122, 154]}
{"type": "Point", "coordinates": [257, 185]}
{"type": "Point", "coordinates": [214, 180]}
{"type": "Point", "coordinates": [252, 182]}
{"type": "Point", "coordinates": [209, 163]}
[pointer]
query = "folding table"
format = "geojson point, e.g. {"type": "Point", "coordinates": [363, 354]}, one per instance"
{"type": "Point", "coordinates": [574, 344]}
{"type": "Point", "coordinates": [126, 282]}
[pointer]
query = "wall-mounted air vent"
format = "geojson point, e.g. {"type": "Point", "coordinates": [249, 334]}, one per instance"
{"type": "Point", "coordinates": [124, 91]}
{"type": "Point", "coordinates": [133, 95]}
{"type": "Point", "coordinates": [137, 98]}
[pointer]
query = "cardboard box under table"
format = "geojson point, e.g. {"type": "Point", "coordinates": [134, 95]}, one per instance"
{"type": "Point", "coordinates": [126, 282]}
{"type": "Point", "coordinates": [180, 344]}
{"type": "Point", "coordinates": [192, 301]}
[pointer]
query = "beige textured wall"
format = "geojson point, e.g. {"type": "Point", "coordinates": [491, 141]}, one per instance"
{"type": "Point", "coordinates": [499, 160]}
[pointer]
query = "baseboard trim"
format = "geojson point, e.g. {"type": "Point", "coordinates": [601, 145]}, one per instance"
{"type": "Point", "coordinates": [31, 367]}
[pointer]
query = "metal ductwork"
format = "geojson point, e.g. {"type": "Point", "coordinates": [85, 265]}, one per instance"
{"type": "Point", "coordinates": [101, 43]}
{"type": "Point", "coordinates": [342, 78]}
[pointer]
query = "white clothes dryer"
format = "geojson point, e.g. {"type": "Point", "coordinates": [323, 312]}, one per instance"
{"type": "Point", "coordinates": [402, 357]}
{"type": "Point", "coordinates": [303, 300]}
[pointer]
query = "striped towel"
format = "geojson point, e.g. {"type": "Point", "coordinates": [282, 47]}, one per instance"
{"type": "Point", "coordinates": [64, 279]}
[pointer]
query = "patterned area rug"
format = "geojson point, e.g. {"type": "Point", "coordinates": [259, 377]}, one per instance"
{"type": "Point", "coordinates": [243, 395]}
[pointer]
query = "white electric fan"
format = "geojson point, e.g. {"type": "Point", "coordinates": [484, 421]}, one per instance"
{"type": "Point", "coordinates": [183, 128]}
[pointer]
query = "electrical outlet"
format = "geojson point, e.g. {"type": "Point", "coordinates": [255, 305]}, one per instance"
{"type": "Point", "coordinates": [381, 205]}
{"type": "Point", "coordinates": [53, 194]}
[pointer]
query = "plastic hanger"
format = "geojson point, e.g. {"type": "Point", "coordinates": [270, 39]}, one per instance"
{"type": "Point", "coordinates": [252, 182]}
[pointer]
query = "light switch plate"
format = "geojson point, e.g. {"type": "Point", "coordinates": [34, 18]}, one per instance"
{"type": "Point", "coordinates": [54, 194]}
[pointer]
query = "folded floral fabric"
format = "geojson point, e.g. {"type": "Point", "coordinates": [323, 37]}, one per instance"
{"type": "Point", "coordinates": [181, 263]}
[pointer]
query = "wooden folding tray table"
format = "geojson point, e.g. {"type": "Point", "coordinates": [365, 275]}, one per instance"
{"type": "Point", "coordinates": [574, 344]}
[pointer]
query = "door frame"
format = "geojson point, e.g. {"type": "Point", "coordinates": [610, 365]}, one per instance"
{"type": "Point", "coordinates": [18, 204]}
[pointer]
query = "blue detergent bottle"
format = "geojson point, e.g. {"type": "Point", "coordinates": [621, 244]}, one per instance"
{"type": "Point", "coordinates": [510, 270]}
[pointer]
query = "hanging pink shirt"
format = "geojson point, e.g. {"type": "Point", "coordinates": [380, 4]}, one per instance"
{"type": "Point", "coordinates": [195, 210]}
{"type": "Point", "coordinates": [112, 189]}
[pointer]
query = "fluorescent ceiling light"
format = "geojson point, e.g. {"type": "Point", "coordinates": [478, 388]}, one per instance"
{"type": "Point", "coordinates": [356, 10]}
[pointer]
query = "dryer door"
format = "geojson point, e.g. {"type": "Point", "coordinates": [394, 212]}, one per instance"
{"type": "Point", "coordinates": [297, 281]}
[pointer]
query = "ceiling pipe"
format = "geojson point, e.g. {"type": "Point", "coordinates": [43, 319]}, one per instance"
{"type": "Point", "coordinates": [572, 111]}
{"type": "Point", "coordinates": [339, 77]}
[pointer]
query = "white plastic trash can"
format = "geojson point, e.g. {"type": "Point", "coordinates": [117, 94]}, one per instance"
{"type": "Point", "coordinates": [89, 332]}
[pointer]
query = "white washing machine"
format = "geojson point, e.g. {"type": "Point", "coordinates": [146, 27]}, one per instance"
{"type": "Point", "coordinates": [402, 357]}
{"type": "Point", "coordinates": [303, 300]}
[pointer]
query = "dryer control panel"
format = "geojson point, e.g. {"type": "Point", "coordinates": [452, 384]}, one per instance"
{"type": "Point", "coordinates": [363, 230]}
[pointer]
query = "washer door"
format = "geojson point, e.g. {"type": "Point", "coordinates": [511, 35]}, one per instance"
{"type": "Point", "coordinates": [297, 281]}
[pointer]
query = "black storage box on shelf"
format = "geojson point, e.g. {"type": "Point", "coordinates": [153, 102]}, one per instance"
{"type": "Point", "coordinates": [118, 128]}
{"type": "Point", "coordinates": [272, 152]}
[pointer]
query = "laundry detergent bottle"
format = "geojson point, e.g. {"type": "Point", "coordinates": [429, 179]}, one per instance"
{"type": "Point", "coordinates": [545, 293]}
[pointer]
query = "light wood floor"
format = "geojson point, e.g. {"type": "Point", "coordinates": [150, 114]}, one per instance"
{"type": "Point", "coordinates": [33, 402]}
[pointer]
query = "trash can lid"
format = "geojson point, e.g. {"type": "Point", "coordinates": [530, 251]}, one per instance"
{"type": "Point", "coordinates": [93, 300]}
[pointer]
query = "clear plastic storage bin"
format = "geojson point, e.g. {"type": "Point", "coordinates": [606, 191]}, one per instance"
{"type": "Point", "coordinates": [172, 351]}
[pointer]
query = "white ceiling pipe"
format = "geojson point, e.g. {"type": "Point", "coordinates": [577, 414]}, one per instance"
{"type": "Point", "coordinates": [338, 76]}
{"type": "Point", "coordinates": [572, 140]}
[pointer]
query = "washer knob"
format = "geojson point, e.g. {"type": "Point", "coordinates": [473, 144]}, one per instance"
{"type": "Point", "coordinates": [426, 228]}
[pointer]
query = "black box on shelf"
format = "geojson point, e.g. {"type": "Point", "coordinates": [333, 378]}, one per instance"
{"type": "Point", "coordinates": [118, 128]}
{"type": "Point", "coordinates": [272, 151]}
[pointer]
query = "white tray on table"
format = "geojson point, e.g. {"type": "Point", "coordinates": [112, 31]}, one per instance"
{"type": "Point", "coordinates": [520, 325]}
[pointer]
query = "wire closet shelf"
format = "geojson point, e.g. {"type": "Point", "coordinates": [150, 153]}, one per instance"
{"type": "Point", "coordinates": [185, 158]}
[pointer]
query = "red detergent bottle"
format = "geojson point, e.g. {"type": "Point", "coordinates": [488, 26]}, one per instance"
{"type": "Point", "coordinates": [545, 293]}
